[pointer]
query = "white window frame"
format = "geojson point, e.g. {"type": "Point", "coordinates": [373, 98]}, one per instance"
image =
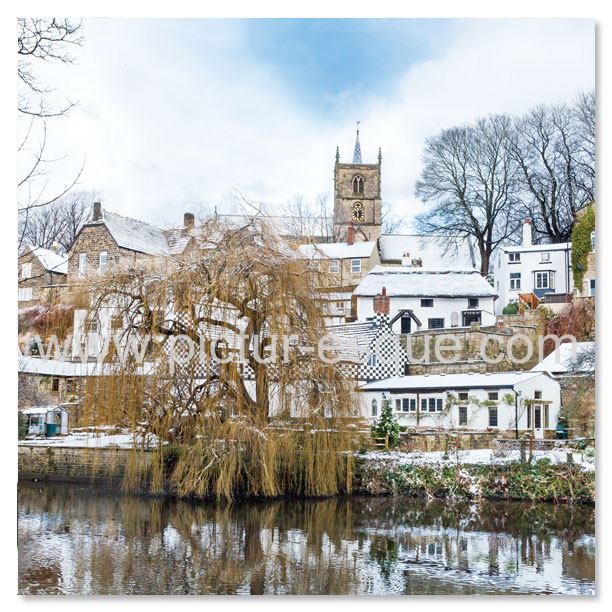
{"type": "Point", "coordinates": [514, 257]}
{"type": "Point", "coordinates": [334, 266]}
{"type": "Point", "coordinates": [545, 257]}
{"type": "Point", "coordinates": [26, 270]}
{"type": "Point", "coordinates": [515, 283]}
{"type": "Point", "coordinates": [459, 410]}
{"type": "Point", "coordinates": [592, 287]}
{"type": "Point", "coordinates": [355, 266]}
{"type": "Point", "coordinates": [25, 295]}
{"type": "Point", "coordinates": [82, 265]}
{"type": "Point", "coordinates": [543, 275]}
{"type": "Point", "coordinates": [103, 259]}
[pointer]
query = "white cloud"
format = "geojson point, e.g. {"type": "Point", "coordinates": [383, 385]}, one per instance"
{"type": "Point", "coordinates": [164, 120]}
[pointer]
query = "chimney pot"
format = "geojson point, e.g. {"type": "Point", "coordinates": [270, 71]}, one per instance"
{"type": "Point", "coordinates": [97, 211]}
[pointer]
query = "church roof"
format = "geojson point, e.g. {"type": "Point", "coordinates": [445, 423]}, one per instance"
{"type": "Point", "coordinates": [357, 153]}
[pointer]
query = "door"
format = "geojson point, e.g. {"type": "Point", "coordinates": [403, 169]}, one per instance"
{"type": "Point", "coordinates": [538, 425]}
{"type": "Point", "coordinates": [405, 321]}
{"type": "Point", "coordinates": [471, 316]}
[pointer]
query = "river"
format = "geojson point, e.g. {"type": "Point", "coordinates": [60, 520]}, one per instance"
{"type": "Point", "coordinates": [80, 540]}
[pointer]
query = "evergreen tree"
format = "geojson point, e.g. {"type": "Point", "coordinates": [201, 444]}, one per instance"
{"type": "Point", "coordinates": [387, 425]}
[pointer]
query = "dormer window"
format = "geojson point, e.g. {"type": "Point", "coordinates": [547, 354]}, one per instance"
{"type": "Point", "coordinates": [358, 184]}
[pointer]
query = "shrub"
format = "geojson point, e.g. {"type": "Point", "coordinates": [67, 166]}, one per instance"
{"type": "Point", "coordinates": [511, 308]}
{"type": "Point", "coordinates": [581, 244]}
{"type": "Point", "coordinates": [387, 425]}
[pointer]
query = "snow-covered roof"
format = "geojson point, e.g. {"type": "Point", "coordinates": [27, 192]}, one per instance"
{"type": "Point", "coordinates": [561, 362]}
{"type": "Point", "coordinates": [451, 381]}
{"type": "Point", "coordinates": [434, 251]}
{"type": "Point", "coordinates": [337, 250]}
{"type": "Point", "coordinates": [419, 282]}
{"type": "Point", "coordinates": [133, 234]}
{"type": "Point", "coordinates": [561, 246]}
{"type": "Point", "coordinates": [42, 409]}
{"type": "Point", "coordinates": [52, 261]}
{"type": "Point", "coordinates": [52, 367]}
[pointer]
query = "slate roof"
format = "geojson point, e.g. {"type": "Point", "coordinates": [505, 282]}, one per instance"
{"type": "Point", "coordinates": [454, 252]}
{"type": "Point", "coordinates": [135, 235]}
{"type": "Point", "coordinates": [52, 261]}
{"type": "Point", "coordinates": [496, 380]}
{"type": "Point", "coordinates": [418, 282]}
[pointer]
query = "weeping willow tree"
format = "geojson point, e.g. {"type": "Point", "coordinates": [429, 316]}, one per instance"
{"type": "Point", "coordinates": [232, 378]}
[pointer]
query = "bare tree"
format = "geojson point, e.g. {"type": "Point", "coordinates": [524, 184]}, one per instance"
{"type": "Point", "coordinates": [389, 220]}
{"type": "Point", "coordinates": [58, 222]}
{"type": "Point", "coordinates": [554, 147]}
{"type": "Point", "coordinates": [469, 181]}
{"type": "Point", "coordinates": [39, 40]}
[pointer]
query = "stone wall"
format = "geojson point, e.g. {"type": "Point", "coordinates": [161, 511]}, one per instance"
{"type": "Point", "coordinates": [80, 464]}
{"type": "Point", "coordinates": [470, 343]}
{"type": "Point", "coordinates": [439, 441]}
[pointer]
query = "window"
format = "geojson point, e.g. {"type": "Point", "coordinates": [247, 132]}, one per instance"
{"type": "Point", "coordinates": [405, 324]}
{"type": "Point", "coordinates": [103, 262]}
{"type": "Point", "coordinates": [439, 404]}
{"type": "Point", "coordinates": [427, 303]}
{"type": "Point", "coordinates": [372, 360]}
{"type": "Point", "coordinates": [593, 242]}
{"type": "Point", "coordinates": [26, 270]}
{"type": "Point", "coordinates": [356, 266]}
{"type": "Point", "coordinates": [116, 322]}
{"type": "Point", "coordinates": [423, 405]}
{"type": "Point", "coordinates": [591, 286]}
{"type": "Point", "coordinates": [528, 417]}
{"type": "Point", "coordinates": [463, 396]}
{"type": "Point", "coordinates": [374, 407]}
{"type": "Point", "coordinates": [55, 384]}
{"type": "Point", "coordinates": [493, 416]}
{"type": "Point", "coordinates": [462, 415]}
{"type": "Point", "coordinates": [493, 396]}
{"type": "Point", "coordinates": [514, 257]}
{"type": "Point", "coordinates": [546, 417]}
{"type": "Point", "coordinates": [398, 405]}
{"type": "Point", "coordinates": [432, 404]}
{"type": "Point", "coordinates": [435, 323]}
{"type": "Point", "coordinates": [473, 302]}
{"type": "Point", "coordinates": [515, 280]}
{"type": "Point", "coordinates": [406, 404]}
{"type": "Point", "coordinates": [82, 264]}
{"type": "Point", "coordinates": [25, 295]}
{"type": "Point", "coordinates": [543, 280]}
{"type": "Point", "coordinates": [545, 257]}
{"type": "Point", "coordinates": [91, 326]}
{"type": "Point", "coordinates": [334, 266]}
{"type": "Point", "coordinates": [70, 385]}
{"type": "Point", "coordinates": [537, 417]}
{"type": "Point", "coordinates": [358, 184]}
{"type": "Point", "coordinates": [537, 394]}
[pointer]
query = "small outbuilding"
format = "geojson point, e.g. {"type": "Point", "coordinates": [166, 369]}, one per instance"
{"type": "Point", "coordinates": [46, 420]}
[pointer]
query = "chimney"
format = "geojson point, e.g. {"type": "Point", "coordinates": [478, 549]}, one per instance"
{"type": "Point", "coordinates": [406, 260]}
{"type": "Point", "coordinates": [527, 233]}
{"type": "Point", "coordinates": [350, 234]}
{"type": "Point", "coordinates": [97, 212]}
{"type": "Point", "coordinates": [188, 220]}
{"type": "Point", "coordinates": [381, 303]}
{"type": "Point", "coordinates": [55, 246]}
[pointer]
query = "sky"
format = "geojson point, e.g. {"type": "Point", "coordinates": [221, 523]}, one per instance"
{"type": "Point", "coordinates": [174, 114]}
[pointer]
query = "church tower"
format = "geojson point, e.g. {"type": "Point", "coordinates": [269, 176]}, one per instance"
{"type": "Point", "coordinates": [357, 197]}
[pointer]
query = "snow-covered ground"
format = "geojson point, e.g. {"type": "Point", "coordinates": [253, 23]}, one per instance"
{"type": "Point", "coordinates": [485, 456]}
{"type": "Point", "coordinates": [98, 439]}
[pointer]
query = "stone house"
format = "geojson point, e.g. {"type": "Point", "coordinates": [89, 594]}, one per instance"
{"type": "Point", "coordinates": [41, 273]}
{"type": "Point", "coordinates": [109, 241]}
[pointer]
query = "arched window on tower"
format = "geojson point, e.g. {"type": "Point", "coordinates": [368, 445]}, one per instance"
{"type": "Point", "coordinates": [357, 184]}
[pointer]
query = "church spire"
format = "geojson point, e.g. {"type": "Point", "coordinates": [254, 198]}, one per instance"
{"type": "Point", "coordinates": [357, 154]}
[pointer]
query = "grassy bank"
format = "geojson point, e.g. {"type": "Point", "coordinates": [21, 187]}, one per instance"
{"type": "Point", "coordinates": [540, 481]}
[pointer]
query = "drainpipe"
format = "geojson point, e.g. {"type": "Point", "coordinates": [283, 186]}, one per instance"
{"type": "Point", "coordinates": [516, 428]}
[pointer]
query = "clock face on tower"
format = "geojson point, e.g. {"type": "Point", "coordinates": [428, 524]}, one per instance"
{"type": "Point", "coordinates": [358, 213]}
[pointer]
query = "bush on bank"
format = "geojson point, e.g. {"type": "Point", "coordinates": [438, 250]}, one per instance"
{"type": "Point", "coordinates": [537, 482]}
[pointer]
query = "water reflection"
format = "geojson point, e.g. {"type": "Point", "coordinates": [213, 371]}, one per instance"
{"type": "Point", "coordinates": [81, 541]}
